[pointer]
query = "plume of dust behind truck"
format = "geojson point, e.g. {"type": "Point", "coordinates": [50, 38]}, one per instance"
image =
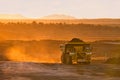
{"type": "Point", "coordinates": [76, 51]}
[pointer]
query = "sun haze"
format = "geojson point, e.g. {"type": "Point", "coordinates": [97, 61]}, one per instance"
{"type": "Point", "coordinates": [76, 8]}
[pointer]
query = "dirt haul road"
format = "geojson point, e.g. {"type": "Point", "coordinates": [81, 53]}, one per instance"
{"type": "Point", "coordinates": [56, 71]}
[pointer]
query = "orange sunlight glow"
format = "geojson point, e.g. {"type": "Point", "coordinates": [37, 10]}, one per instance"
{"type": "Point", "coordinates": [18, 54]}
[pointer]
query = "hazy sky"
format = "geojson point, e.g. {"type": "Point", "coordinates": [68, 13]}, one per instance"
{"type": "Point", "coordinates": [76, 8]}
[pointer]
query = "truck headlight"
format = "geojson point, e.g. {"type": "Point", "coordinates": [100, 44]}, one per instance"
{"type": "Point", "coordinates": [88, 52]}
{"type": "Point", "coordinates": [72, 53]}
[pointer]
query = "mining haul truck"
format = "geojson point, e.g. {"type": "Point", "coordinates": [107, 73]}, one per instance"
{"type": "Point", "coordinates": [76, 51]}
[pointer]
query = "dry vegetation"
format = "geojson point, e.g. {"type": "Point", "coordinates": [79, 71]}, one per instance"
{"type": "Point", "coordinates": [114, 22]}
{"type": "Point", "coordinates": [38, 31]}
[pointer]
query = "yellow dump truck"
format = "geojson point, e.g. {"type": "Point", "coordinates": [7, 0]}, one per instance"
{"type": "Point", "coordinates": [76, 51]}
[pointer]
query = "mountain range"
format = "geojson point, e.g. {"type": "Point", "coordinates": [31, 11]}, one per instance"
{"type": "Point", "coordinates": [18, 16]}
{"type": "Point", "coordinates": [12, 16]}
{"type": "Point", "coordinates": [58, 16]}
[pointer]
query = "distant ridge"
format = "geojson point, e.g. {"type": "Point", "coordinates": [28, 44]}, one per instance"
{"type": "Point", "coordinates": [12, 16]}
{"type": "Point", "coordinates": [58, 16]}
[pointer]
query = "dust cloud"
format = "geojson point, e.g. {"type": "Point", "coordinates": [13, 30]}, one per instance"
{"type": "Point", "coordinates": [43, 52]}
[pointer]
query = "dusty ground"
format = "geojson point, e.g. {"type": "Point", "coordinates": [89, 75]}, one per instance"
{"type": "Point", "coordinates": [57, 71]}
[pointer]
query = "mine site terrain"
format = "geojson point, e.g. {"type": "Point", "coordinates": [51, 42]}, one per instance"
{"type": "Point", "coordinates": [56, 71]}
{"type": "Point", "coordinates": [31, 50]}
{"type": "Point", "coordinates": [59, 40]}
{"type": "Point", "coordinates": [43, 62]}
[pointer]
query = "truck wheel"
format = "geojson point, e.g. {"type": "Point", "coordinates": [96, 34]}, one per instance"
{"type": "Point", "coordinates": [68, 59]}
{"type": "Point", "coordinates": [83, 62]}
{"type": "Point", "coordinates": [88, 62]}
{"type": "Point", "coordinates": [63, 59]}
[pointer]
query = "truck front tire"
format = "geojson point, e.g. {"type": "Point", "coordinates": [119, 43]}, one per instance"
{"type": "Point", "coordinates": [66, 59]}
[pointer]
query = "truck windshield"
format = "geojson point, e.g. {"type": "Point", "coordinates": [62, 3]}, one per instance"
{"type": "Point", "coordinates": [78, 48]}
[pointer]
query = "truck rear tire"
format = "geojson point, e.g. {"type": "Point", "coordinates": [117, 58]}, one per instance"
{"type": "Point", "coordinates": [63, 59]}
